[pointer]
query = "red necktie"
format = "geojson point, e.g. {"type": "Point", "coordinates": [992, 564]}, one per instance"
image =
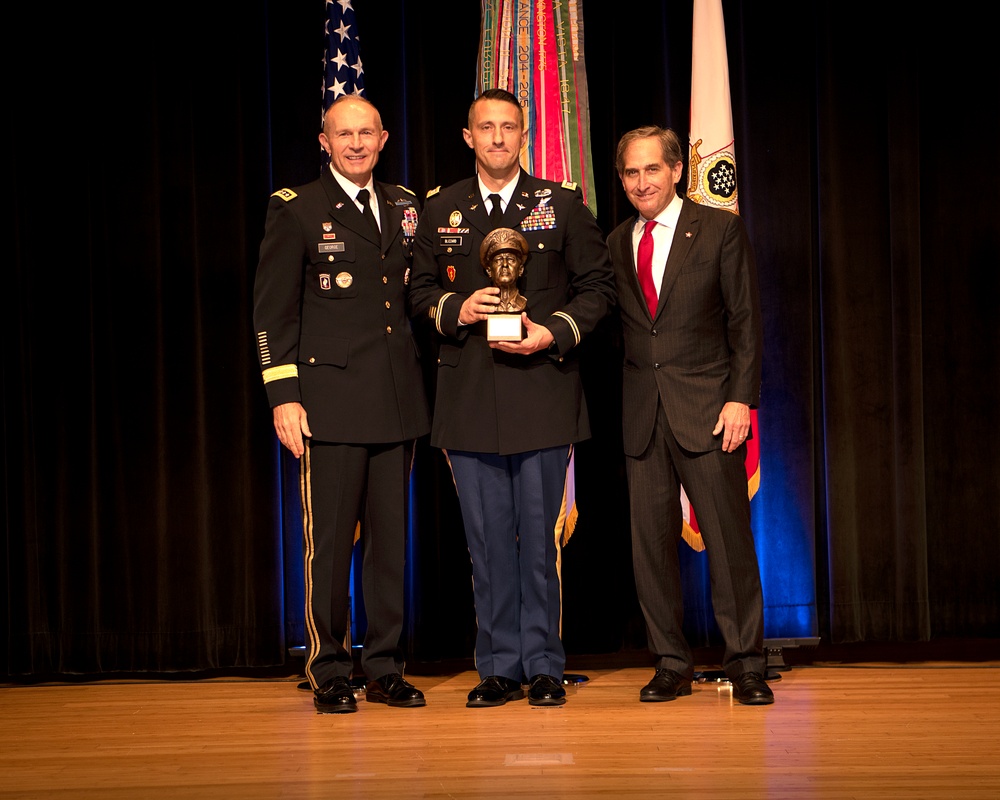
{"type": "Point", "coordinates": [645, 267]}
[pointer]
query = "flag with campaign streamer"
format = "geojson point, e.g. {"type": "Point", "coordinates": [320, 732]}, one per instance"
{"type": "Point", "coordinates": [534, 50]}
{"type": "Point", "coordinates": [712, 175]}
{"type": "Point", "coordinates": [343, 72]}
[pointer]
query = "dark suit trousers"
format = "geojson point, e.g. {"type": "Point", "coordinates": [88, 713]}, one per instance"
{"type": "Point", "coordinates": [342, 484]}
{"type": "Point", "coordinates": [509, 508]}
{"type": "Point", "coordinates": [717, 487]}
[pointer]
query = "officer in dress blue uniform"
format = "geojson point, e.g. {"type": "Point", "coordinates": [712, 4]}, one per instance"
{"type": "Point", "coordinates": [508, 412]}
{"type": "Point", "coordinates": [343, 377]}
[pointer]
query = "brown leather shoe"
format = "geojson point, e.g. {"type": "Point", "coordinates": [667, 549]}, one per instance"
{"type": "Point", "coordinates": [751, 690]}
{"type": "Point", "coordinates": [394, 690]}
{"type": "Point", "coordinates": [666, 685]}
{"type": "Point", "coordinates": [335, 697]}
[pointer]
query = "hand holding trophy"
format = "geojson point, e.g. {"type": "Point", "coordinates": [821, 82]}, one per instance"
{"type": "Point", "coordinates": [502, 254]}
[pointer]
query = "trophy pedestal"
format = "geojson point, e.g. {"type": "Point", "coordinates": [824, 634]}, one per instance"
{"type": "Point", "coordinates": [504, 328]}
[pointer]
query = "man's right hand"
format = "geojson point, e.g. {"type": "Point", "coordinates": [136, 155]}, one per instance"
{"type": "Point", "coordinates": [291, 425]}
{"type": "Point", "coordinates": [479, 305]}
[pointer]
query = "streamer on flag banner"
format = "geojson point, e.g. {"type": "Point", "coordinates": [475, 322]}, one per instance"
{"type": "Point", "coordinates": [712, 176]}
{"type": "Point", "coordinates": [534, 50]}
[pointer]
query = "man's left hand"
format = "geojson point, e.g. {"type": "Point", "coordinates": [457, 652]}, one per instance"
{"type": "Point", "coordinates": [537, 337]}
{"type": "Point", "coordinates": [734, 419]}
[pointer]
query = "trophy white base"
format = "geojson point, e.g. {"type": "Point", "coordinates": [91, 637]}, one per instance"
{"type": "Point", "coordinates": [504, 328]}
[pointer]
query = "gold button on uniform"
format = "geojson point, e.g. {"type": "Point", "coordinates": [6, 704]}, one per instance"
{"type": "Point", "coordinates": [388, 328]}
{"type": "Point", "coordinates": [387, 305]}
{"type": "Point", "coordinates": [385, 279]}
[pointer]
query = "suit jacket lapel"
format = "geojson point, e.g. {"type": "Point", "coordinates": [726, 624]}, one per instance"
{"type": "Point", "coordinates": [626, 257]}
{"type": "Point", "coordinates": [390, 214]}
{"type": "Point", "coordinates": [471, 208]}
{"type": "Point", "coordinates": [344, 210]}
{"type": "Point", "coordinates": [523, 201]}
{"type": "Point", "coordinates": [684, 236]}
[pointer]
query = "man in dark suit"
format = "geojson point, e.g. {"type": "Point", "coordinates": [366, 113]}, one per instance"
{"type": "Point", "coordinates": [508, 412]}
{"type": "Point", "coordinates": [690, 313]}
{"type": "Point", "coordinates": [343, 377]}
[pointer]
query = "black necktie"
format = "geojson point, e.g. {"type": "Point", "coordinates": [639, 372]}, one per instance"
{"type": "Point", "coordinates": [496, 212]}
{"type": "Point", "coordinates": [366, 212]}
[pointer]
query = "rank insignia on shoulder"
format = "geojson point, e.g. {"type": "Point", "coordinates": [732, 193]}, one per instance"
{"type": "Point", "coordinates": [571, 185]}
{"type": "Point", "coordinates": [285, 194]}
{"type": "Point", "coordinates": [433, 191]}
{"type": "Point", "coordinates": [408, 191]}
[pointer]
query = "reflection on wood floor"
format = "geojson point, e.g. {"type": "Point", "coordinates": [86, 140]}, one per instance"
{"type": "Point", "coordinates": [927, 730]}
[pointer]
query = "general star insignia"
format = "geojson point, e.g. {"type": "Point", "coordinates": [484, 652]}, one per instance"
{"type": "Point", "coordinates": [688, 234]}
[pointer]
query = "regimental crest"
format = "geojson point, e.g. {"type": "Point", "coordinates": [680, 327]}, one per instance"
{"type": "Point", "coordinates": [455, 219]}
{"type": "Point", "coordinates": [327, 226]}
{"type": "Point", "coordinates": [712, 179]}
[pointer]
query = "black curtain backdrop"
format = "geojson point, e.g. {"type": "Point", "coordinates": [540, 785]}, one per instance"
{"type": "Point", "coordinates": [150, 521]}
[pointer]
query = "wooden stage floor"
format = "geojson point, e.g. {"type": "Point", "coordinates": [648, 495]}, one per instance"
{"type": "Point", "coordinates": [922, 730]}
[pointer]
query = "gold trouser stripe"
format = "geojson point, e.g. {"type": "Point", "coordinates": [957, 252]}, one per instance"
{"type": "Point", "coordinates": [309, 547]}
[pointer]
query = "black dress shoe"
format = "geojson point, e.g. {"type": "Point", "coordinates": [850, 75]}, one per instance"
{"type": "Point", "coordinates": [495, 690]}
{"type": "Point", "coordinates": [335, 697]}
{"type": "Point", "coordinates": [666, 685]}
{"type": "Point", "coordinates": [545, 690]}
{"type": "Point", "coordinates": [750, 689]}
{"type": "Point", "coordinates": [394, 690]}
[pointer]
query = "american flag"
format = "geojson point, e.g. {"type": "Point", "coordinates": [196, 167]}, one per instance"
{"type": "Point", "coordinates": [342, 58]}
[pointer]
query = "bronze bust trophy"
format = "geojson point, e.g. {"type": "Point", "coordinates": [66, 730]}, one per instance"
{"type": "Point", "coordinates": [502, 254]}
